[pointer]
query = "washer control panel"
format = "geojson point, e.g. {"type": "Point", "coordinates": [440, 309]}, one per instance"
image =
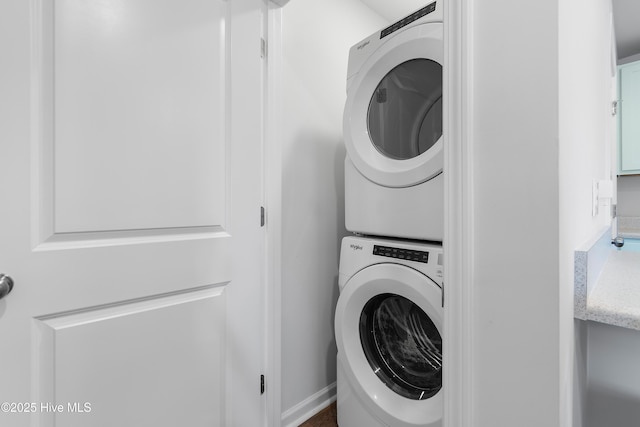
{"type": "Point", "coordinates": [399, 253]}
{"type": "Point", "coordinates": [359, 252]}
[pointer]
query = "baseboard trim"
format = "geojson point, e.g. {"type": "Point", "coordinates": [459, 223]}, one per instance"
{"type": "Point", "coordinates": [306, 409]}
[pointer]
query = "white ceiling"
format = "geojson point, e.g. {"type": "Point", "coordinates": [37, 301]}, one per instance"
{"type": "Point", "coordinates": [626, 18]}
{"type": "Point", "coordinates": [626, 15]}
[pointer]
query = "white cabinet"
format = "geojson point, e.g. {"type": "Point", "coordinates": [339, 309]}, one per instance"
{"type": "Point", "coordinates": [629, 118]}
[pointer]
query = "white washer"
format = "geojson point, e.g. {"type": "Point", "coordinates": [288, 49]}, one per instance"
{"type": "Point", "coordinates": [388, 328]}
{"type": "Point", "coordinates": [393, 130]}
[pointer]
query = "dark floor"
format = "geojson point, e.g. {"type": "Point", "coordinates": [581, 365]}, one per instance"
{"type": "Point", "coordinates": [324, 418]}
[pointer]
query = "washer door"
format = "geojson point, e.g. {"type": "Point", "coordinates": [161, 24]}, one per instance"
{"type": "Point", "coordinates": [388, 332]}
{"type": "Point", "coordinates": [393, 113]}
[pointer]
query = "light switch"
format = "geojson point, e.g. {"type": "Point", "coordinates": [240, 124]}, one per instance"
{"type": "Point", "coordinates": [605, 189]}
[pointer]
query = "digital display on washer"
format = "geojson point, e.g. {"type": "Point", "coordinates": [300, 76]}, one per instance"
{"type": "Point", "coordinates": [408, 254]}
{"type": "Point", "coordinates": [408, 20]}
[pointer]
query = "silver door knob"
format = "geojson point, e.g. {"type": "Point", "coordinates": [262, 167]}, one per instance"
{"type": "Point", "coordinates": [6, 285]}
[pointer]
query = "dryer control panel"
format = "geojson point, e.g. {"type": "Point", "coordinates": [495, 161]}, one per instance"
{"type": "Point", "coordinates": [408, 20]}
{"type": "Point", "coordinates": [399, 253]}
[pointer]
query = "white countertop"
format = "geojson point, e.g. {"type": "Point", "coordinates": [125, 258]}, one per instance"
{"type": "Point", "coordinates": [607, 282]}
{"type": "Point", "coordinates": [615, 298]}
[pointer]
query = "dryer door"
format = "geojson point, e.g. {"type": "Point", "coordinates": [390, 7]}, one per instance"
{"type": "Point", "coordinates": [388, 332]}
{"type": "Point", "coordinates": [393, 113]}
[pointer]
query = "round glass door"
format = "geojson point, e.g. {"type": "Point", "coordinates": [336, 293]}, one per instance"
{"type": "Point", "coordinates": [402, 345]}
{"type": "Point", "coordinates": [405, 112]}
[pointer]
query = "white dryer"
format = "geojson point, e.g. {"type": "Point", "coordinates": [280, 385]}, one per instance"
{"type": "Point", "coordinates": [388, 328]}
{"type": "Point", "coordinates": [393, 130]}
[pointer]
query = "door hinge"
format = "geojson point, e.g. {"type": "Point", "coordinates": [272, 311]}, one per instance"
{"type": "Point", "coordinates": [262, 215]}
{"type": "Point", "coordinates": [614, 108]}
{"type": "Point", "coordinates": [263, 48]}
{"type": "Point", "coordinates": [261, 384]}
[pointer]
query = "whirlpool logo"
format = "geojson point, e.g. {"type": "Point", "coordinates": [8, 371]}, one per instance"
{"type": "Point", "coordinates": [362, 45]}
{"type": "Point", "coordinates": [355, 247]}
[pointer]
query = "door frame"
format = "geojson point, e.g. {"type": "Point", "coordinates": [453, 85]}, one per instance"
{"type": "Point", "coordinates": [459, 233]}
{"type": "Point", "coordinates": [273, 202]}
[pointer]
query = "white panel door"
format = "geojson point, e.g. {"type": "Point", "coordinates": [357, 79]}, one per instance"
{"type": "Point", "coordinates": [131, 185]}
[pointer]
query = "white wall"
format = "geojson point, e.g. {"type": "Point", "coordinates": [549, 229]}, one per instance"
{"type": "Point", "coordinates": [316, 39]}
{"type": "Point", "coordinates": [540, 136]}
{"type": "Point", "coordinates": [585, 154]}
{"type": "Point", "coordinates": [516, 201]}
{"type": "Point", "coordinates": [629, 195]}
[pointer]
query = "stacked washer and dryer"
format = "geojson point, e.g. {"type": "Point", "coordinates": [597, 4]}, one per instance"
{"type": "Point", "coordinates": [389, 314]}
